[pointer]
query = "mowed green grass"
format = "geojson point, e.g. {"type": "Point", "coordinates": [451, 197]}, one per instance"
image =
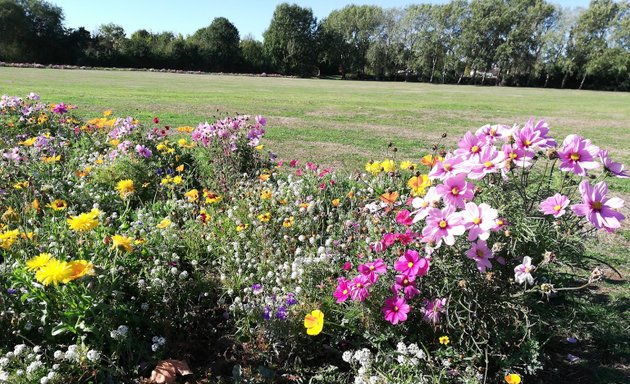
{"type": "Point", "coordinates": [340, 123]}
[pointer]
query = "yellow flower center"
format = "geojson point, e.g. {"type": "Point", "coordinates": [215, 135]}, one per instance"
{"type": "Point", "coordinates": [488, 164]}
{"type": "Point", "coordinates": [455, 191]}
{"type": "Point", "coordinates": [405, 281]}
{"type": "Point", "coordinates": [371, 267]}
{"type": "Point", "coordinates": [345, 291]}
{"type": "Point", "coordinates": [477, 220]}
{"type": "Point", "coordinates": [410, 264]}
{"type": "Point", "coordinates": [474, 149]}
{"type": "Point", "coordinates": [479, 253]}
{"type": "Point", "coordinates": [443, 224]}
{"type": "Point", "coordinates": [575, 156]}
{"type": "Point", "coordinates": [557, 208]}
{"type": "Point", "coordinates": [597, 205]}
{"type": "Point", "coordinates": [395, 308]}
{"type": "Point", "coordinates": [527, 143]}
{"type": "Point", "coordinates": [446, 166]}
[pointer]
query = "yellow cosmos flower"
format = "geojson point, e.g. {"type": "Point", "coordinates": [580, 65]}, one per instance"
{"type": "Point", "coordinates": [121, 242]}
{"type": "Point", "coordinates": [444, 340]}
{"type": "Point", "coordinates": [266, 194]}
{"type": "Point", "coordinates": [192, 195]}
{"type": "Point", "coordinates": [39, 261]}
{"type": "Point", "coordinates": [54, 272]}
{"type": "Point", "coordinates": [185, 129]}
{"type": "Point", "coordinates": [163, 224]}
{"type": "Point", "coordinates": [264, 177]}
{"type": "Point", "coordinates": [406, 165]}
{"type": "Point", "coordinates": [58, 205]}
{"type": "Point", "coordinates": [264, 217]}
{"type": "Point", "coordinates": [51, 159]}
{"type": "Point", "coordinates": [84, 222]}
{"type": "Point", "coordinates": [388, 165]}
{"type": "Point", "coordinates": [336, 202]}
{"type": "Point", "coordinates": [125, 188]}
{"type": "Point", "coordinates": [180, 168]}
{"type": "Point", "coordinates": [513, 378]}
{"type": "Point", "coordinates": [241, 227]}
{"type": "Point", "coordinates": [80, 268]}
{"type": "Point", "coordinates": [20, 185]}
{"type": "Point", "coordinates": [35, 205]}
{"type": "Point", "coordinates": [260, 147]}
{"type": "Point", "coordinates": [418, 184]}
{"type": "Point", "coordinates": [211, 197]}
{"type": "Point", "coordinates": [107, 113]}
{"type": "Point", "coordinates": [288, 222]}
{"type": "Point", "coordinates": [314, 322]}
{"type": "Point", "coordinates": [28, 142]}
{"type": "Point", "coordinates": [8, 238]}
{"type": "Point", "coordinates": [114, 142]}
{"type": "Point", "coordinates": [184, 144]}
{"type": "Point", "coordinates": [177, 180]}
{"type": "Point", "coordinates": [374, 167]}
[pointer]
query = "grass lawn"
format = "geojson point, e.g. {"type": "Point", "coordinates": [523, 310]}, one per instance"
{"type": "Point", "coordinates": [345, 123]}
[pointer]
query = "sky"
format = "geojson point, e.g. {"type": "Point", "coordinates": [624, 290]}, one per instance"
{"type": "Point", "coordinates": [186, 16]}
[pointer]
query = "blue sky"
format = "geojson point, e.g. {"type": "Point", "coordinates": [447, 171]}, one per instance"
{"type": "Point", "coordinates": [186, 16]}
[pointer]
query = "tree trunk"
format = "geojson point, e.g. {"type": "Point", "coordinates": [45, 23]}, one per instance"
{"type": "Point", "coordinates": [564, 80]}
{"type": "Point", "coordinates": [546, 81]}
{"type": "Point", "coordinates": [444, 73]}
{"type": "Point", "coordinates": [483, 78]}
{"type": "Point", "coordinates": [583, 79]}
{"type": "Point", "coordinates": [432, 70]}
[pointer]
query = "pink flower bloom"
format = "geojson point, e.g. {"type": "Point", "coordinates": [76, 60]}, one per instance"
{"type": "Point", "coordinates": [443, 224]}
{"type": "Point", "coordinates": [543, 130]}
{"type": "Point", "coordinates": [613, 167]}
{"type": "Point", "coordinates": [490, 161]}
{"type": "Point", "coordinates": [423, 204]}
{"type": "Point", "coordinates": [347, 266]}
{"type": "Point", "coordinates": [517, 156]}
{"type": "Point", "coordinates": [359, 288]}
{"type": "Point", "coordinates": [407, 237]}
{"type": "Point", "coordinates": [554, 205]}
{"type": "Point", "coordinates": [532, 137]}
{"type": "Point", "coordinates": [433, 309]}
{"type": "Point", "coordinates": [298, 173]}
{"type": "Point", "coordinates": [373, 269]}
{"type": "Point", "coordinates": [597, 208]}
{"type": "Point", "coordinates": [479, 220]}
{"type": "Point", "coordinates": [60, 109]}
{"type": "Point", "coordinates": [403, 217]}
{"type": "Point", "coordinates": [481, 254]}
{"type": "Point", "coordinates": [343, 290]}
{"type": "Point", "coordinates": [411, 264]}
{"type": "Point", "coordinates": [455, 190]}
{"type": "Point", "coordinates": [577, 155]}
{"type": "Point", "coordinates": [389, 239]}
{"type": "Point", "coordinates": [311, 166]}
{"type": "Point", "coordinates": [490, 133]}
{"type": "Point", "coordinates": [407, 285]}
{"type": "Point", "coordinates": [522, 272]}
{"type": "Point", "coordinates": [470, 146]}
{"type": "Point", "coordinates": [450, 166]}
{"type": "Point", "coordinates": [396, 309]}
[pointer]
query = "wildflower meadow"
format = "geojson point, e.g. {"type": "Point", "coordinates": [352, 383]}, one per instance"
{"type": "Point", "coordinates": [137, 251]}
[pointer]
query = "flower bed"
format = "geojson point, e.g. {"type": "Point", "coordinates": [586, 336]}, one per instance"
{"type": "Point", "coordinates": [123, 245]}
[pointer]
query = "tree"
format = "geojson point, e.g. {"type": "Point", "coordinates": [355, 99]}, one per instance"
{"type": "Point", "coordinates": [219, 45]}
{"type": "Point", "coordinates": [289, 42]}
{"type": "Point", "coordinates": [253, 55]}
{"type": "Point", "coordinates": [14, 32]}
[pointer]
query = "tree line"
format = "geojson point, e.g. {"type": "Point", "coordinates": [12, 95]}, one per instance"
{"type": "Point", "coordinates": [502, 42]}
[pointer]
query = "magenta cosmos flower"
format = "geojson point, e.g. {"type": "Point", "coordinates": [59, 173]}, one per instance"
{"type": "Point", "coordinates": [597, 208]}
{"type": "Point", "coordinates": [613, 167]}
{"type": "Point", "coordinates": [411, 264]}
{"type": "Point", "coordinates": [396, 309]}
{"type": "Point", "coordinates": [481, 254]}
{"type": "Point", "coordinates": [407, 285]}
{"type": "Point", "coordinates": [555, 205]}
{"type": "Point", "coordinates": [517, 156]}
{"type": "Point", "coordinates": [479, 220]}
{"type": "Point", "coordinates": [404, 217]}
{"type": "Point", "coordinates": [577, 155]}
{"type": "Point", "coordinates": [455, 190]}
{"type": "Point", "coordinates": [359, 288]}
{"type": "Point", "coordinates": [373, 269]}
{"type": "Point", "coordinates": [443, 224]}
{"type": "Point", "coordinates": [343, 290]}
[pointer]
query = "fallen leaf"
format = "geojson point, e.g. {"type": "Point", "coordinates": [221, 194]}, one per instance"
{"type": "Point", "coordinates": [166, 371]}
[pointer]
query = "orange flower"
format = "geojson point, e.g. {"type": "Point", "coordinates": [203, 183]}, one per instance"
{"type": "Point", "coordinates": [389, 197]}
{"type": "Point", "coordinates": [418, 184]}
{"type": "Point", "coordinates": [513, 378]}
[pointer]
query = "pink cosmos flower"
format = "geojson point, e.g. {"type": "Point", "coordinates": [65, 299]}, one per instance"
{"type": "Point", "coordinates": [543, 130]}
{"type": "Point", "coordinates": [343, 290]}
{"type": "Point", "coordinates": [490, 161]}
{"type": "Point", "coordinates": [597, 208]}
{"type": "Point", "coordinates": [479, 220]}
{"type": "Point", "coordinates": [347, 266]}
{"type": "Point", "coordinates": [359, 288]}
{"type": "Point", "coordinates": [403, 217]}
{"type": "Point", "coordinates": [522, 272]}
{"type": "Point", "coordinates": [373, 269]}
{"type": "Point", "coordinates": [613, 167]}
{"type": "Point", "coordinates": [293, 163]}
{"type": "Point", "coordinates": [517, 156]}
{"type": "Point", "coordinates": [433, 309]}
{"type": "Point", "coordinates": [555, 205]}
{"type": "Point", "coordinates": [443, 224]}
{"type": "Point", "coordinates": [490, 133]}
{"type": "Point", "coordinates": [411, 264]}
{"type": "Point", "coordinates": [396, 309]}
{"type": "Point", "coordinates": [455, 190]}
{"type": "Point", "coordinates": [481, 254]}
{"type": "Point", "coordinates": [577, 155]}
{"type": "Point", "coordinates": [470, 146]}
{"type": "Point", "coordinates": [532, 138]}
{"type": "Point", "coordinates": [423, 204]}
{"type": "Point", "coordinates": [407, 285]}
{"type": "Point", "coordinates": [60, 109]}
{"type": "Point", "coordinates": [450, 166]}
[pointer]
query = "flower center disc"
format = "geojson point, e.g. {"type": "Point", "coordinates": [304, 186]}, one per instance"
{"type": "Point", "coordinates": [557, 208]}
{"type": "Point", "coordinates": [443, 224]}
{"type": "Point", "coordinates": [575, 156]}
{"type": "Point", "coordinates": [597, 205]}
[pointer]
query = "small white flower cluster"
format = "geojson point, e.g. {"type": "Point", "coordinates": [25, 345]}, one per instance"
{"type": "Point", "coordinates": [12, 366]}
{"type": "Point", "coordinates": [409, 354]}
{"type": "Point", "coordinates": [158, 341]}
{"type": "Point", "coordinates": [364, 359]}
{"type": "Point", "coordinates": [120, 333]}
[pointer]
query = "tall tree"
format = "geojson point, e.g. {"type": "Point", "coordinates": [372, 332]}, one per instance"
{"type": "Point", "coordinates": [14, 32]}
{"type": "Point", "coordinates": [219, 45]}
{"type": "Point", "coordinates": [289, 41]}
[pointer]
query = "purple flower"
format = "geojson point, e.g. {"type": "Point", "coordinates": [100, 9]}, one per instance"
{"type": "Point", "coordinates": [257, 289]}
{"type": "Point", "coordinates": [481, 254]}
{"type": "Point", "coordinates": [613, 167]}
{"type": "Point", "coordinates": [396, 309]}
{"type": "Point", "coordinates": [143, 151]}
{"type": "Point", "coordinates": [267, 312]}
{"type": "Point", "coordinates": [433, 309]}
{"type": "Point", "coordinates": [555, 205]}
{"type": "Point", "coordinates": [522, 272]}
{"type": "Point", "coordinates": [281, 313]}
{"type": "Point", "coordinates": [577, 155]}
{"type": "Point", "coordinates": [291, 299]}
{"type": "Point", "coordinates": [597, 208]}
{"type": "Point", "coordinates": [359, 288]}
{"type": "Point", "coordinates": [60, 109]}
{"type": "Point", "coordinates": [443, 224]}
{"type": "Point", "coordinates": [11, 291]}
{"type": "Point", "coordinates": [373, 269]}
{"type": "Point", "coordinates": [455, 190]}
{"type": "Point", "coordinates": [407, 285]}
{"type": "Point", "coordinates": [411, 264]}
